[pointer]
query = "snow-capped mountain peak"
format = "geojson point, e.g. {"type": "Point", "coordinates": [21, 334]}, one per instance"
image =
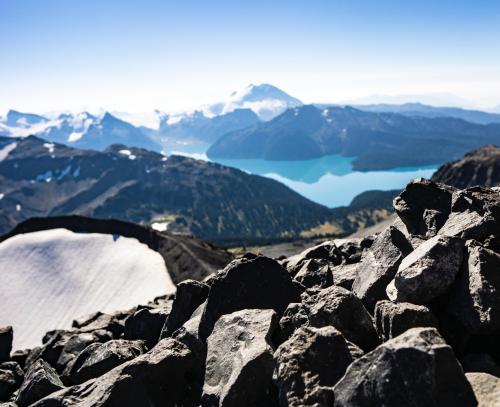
{"type": "Point", "coordinates": [267, 101]}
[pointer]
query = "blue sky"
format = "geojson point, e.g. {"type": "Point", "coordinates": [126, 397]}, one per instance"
{"type": "Point", "coordinates": [138, 55]}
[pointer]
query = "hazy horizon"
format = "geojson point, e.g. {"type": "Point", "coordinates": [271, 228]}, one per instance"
{"type": "Point", "coordinates": [139, 56]}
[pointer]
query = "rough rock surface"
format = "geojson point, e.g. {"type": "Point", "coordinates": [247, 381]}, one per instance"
{"type": "Point", "coordinates": [146, 324]}
{"type": "Point", "coordinates": [379, 266]}
{"type": "Point", "coordinates": [159, 378]}
{"type": "Point", "coordinates": [424, 206]}
{"type": "Point", "coordinates": [40, 381]}
{"type": "Point", "coordinates": [240, 362]}
{"type": "Point", "coordinates": [253, 282]}
{"type": "Point", "coordinates": [190, 294]}
{"type": "Point", "coordinates": [416, 368]}
{"type": "Point", "coordinates": [486, 388]}
{"type": "Point", "coordinates": [474, 301]}
{"type": "Point", "coordinates": [309, 364]}
{"type": "Point", "coordinates": [333, 306]}
{"type": "Point", "coordinates": [99, 358]}
{"type": "Point", "coordinates": [393, 319]}
{"type": "Point", "coordinates": [11, 377]}
{"type": "Point", "coordinates": [428, 271]}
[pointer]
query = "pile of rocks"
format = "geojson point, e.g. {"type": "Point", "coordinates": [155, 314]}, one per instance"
{"type": "Point", "coordinates": [408, 317]}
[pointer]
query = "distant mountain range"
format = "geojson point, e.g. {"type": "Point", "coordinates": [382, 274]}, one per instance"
{"type": "Point", "coordinates": [262, 121]}
{"type": "Point", "coordinates": [177, 194]}
{"type": "Point", "coordinates": [377, 140]}
{"type": "Point", "coordinates": [82, 130]}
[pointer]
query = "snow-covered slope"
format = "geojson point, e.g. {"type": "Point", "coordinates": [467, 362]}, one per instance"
{"type": "Point", "coordinates": [51, 277]}
{"type": "Point", "coordinates": [266, 101]}
{"type": "Point", "coordinates": [82, 130]}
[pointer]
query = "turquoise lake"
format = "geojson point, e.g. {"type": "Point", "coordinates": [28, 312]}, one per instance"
{"type": "Point", "coordinates": [328, 180]}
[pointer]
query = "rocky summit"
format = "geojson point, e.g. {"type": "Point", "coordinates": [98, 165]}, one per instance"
{"type": "Point", "coordinates": [409, 317]}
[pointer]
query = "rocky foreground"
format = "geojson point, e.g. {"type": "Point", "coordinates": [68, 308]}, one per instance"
{"type": "Point", "coordinates": [410, 317]}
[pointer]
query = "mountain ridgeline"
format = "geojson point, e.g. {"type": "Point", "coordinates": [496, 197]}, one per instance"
{"type": "Point", "coordinates": [184, 195]}
{"type": "Point", "coordinates": [377, 140]}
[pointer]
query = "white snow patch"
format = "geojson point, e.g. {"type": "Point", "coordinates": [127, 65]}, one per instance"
{"type": "Point", "coordinates": [75, 136]}
{"type": "Point", "coordinates": [160, 226]}
{"type": "Point", "coordinates": [51, 277]}
{"type": "Point", "coordinates": [76, 173]}
{"type": "Point", "coordinates": [18, 207]}
{"type": "Point", "coordinates": [5, 150]}
{"type": "Point", "coordinates": [124, 152]}
{"type": "Point", "coordinates": [49, 146]}
{"type": "Point", "coordinates": [1, 196]}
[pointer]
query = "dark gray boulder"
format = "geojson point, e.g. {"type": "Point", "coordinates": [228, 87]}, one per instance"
{"type": "Point", "coordinates": [379, 266]}
{"type": "Point", "coordinates": [315, 273]}
{"type": "Point", "coordinates": [190, 294]}
{"type": "Point", "coordinates": [428, 271]}
{"type": "Point", "coordinates": [486, 388]}
{"type": "Point", "coordinates": [160, 378]}
{"type": "Point", "coordinates": [392, 319]}
{"type": "Point", "coordinates": [475, 214]}
{"type": "Point", "coordinates": [474, 301]}
{"type": "Point", "coordinates": [309, 364]}
{"type": "Point", "coordinates": [248, 283]}
{"type": "Point", "coordinates": [60, 346]}
{"type": "Point", "coordinates": [146, 325]}
{"type": "Point", "coordinates": [334, 306]}
{"type": "Point", "coordinates": [11, 377]}
{"type": "Point", "coordinates": [240, 364]}
{"type": "Point", "coordinates": [99, 358]}
{"type": "Point", "coordinates": [6, 336]}
{"type": "Point", "coordinates": [40, 381]}
{"type": "Point", "coordinates": [344, 275]}
{"type": "Point", "coordinates": [424, 206]}
{"type": "Point", "coordinates": [415, 369]}
{"type": "Point", "coordinates": [325, 251]}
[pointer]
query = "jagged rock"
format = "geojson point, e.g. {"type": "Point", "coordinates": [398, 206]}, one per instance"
{"type": "Point", "coordinates": [239, 365]}
{"type": "Point", "coordinates": [332, 306]}
{"type": "Point", "coordinates": [60, 347]}
{"type": "Point", "coordinates": [11, 377]}
{"type": "Point", "coordinates": [428, 271]}
{"type": "Point", "coordinates": [480, 362]}
{"type": "Point", "coordinates": [392, 319]}
{"type": "Point", "coordinates": [188, 334]}
{"type": "Point", "coordinates": [315, 273]}
{"type": "Point", "coordinates": [160, 378]}
{"type": "Point", "coordinates": [294, 317]}
{"type": "Point", "coordinates": [99, 358]}
{"type": "Point", "coordinates": [486, 388]}
{"type": "Point", "coordinates": [20, 356]}
{"type": "Point", "coordinates": [190, 294]}
{"type": "Point", "coordinates": [379, 266]}
{"type": "Point", "coordinates": [424, 206]}
{"type": "Point", "coordinates": [146, 325]}
{"type": "Point", "coordinates": [6, 336]}
{"type": "Point", "coordinates": [415, 369]}
{"type": "Point", "coordinates": [474, 301]}
{"type": "Point", "coordinates": [248, 283]}
{"type": "Point", "coordinates": [309, 364]}
{"type": "Point", "coordinates": [344, 275]}
{"type": "Point", "coordinates": [40, 381]}
{"type": "Point", "coordinates": [324, 251]}
{"type": "Point", "coordinates": [100, 321]}
{"type": "Point", "coordinates": [475, 214]}
{"type": "Point", "coordinates": [353, 249]}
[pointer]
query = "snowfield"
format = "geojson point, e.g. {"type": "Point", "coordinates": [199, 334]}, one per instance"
{"type": "Point", "coordinates": [51, 277]}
